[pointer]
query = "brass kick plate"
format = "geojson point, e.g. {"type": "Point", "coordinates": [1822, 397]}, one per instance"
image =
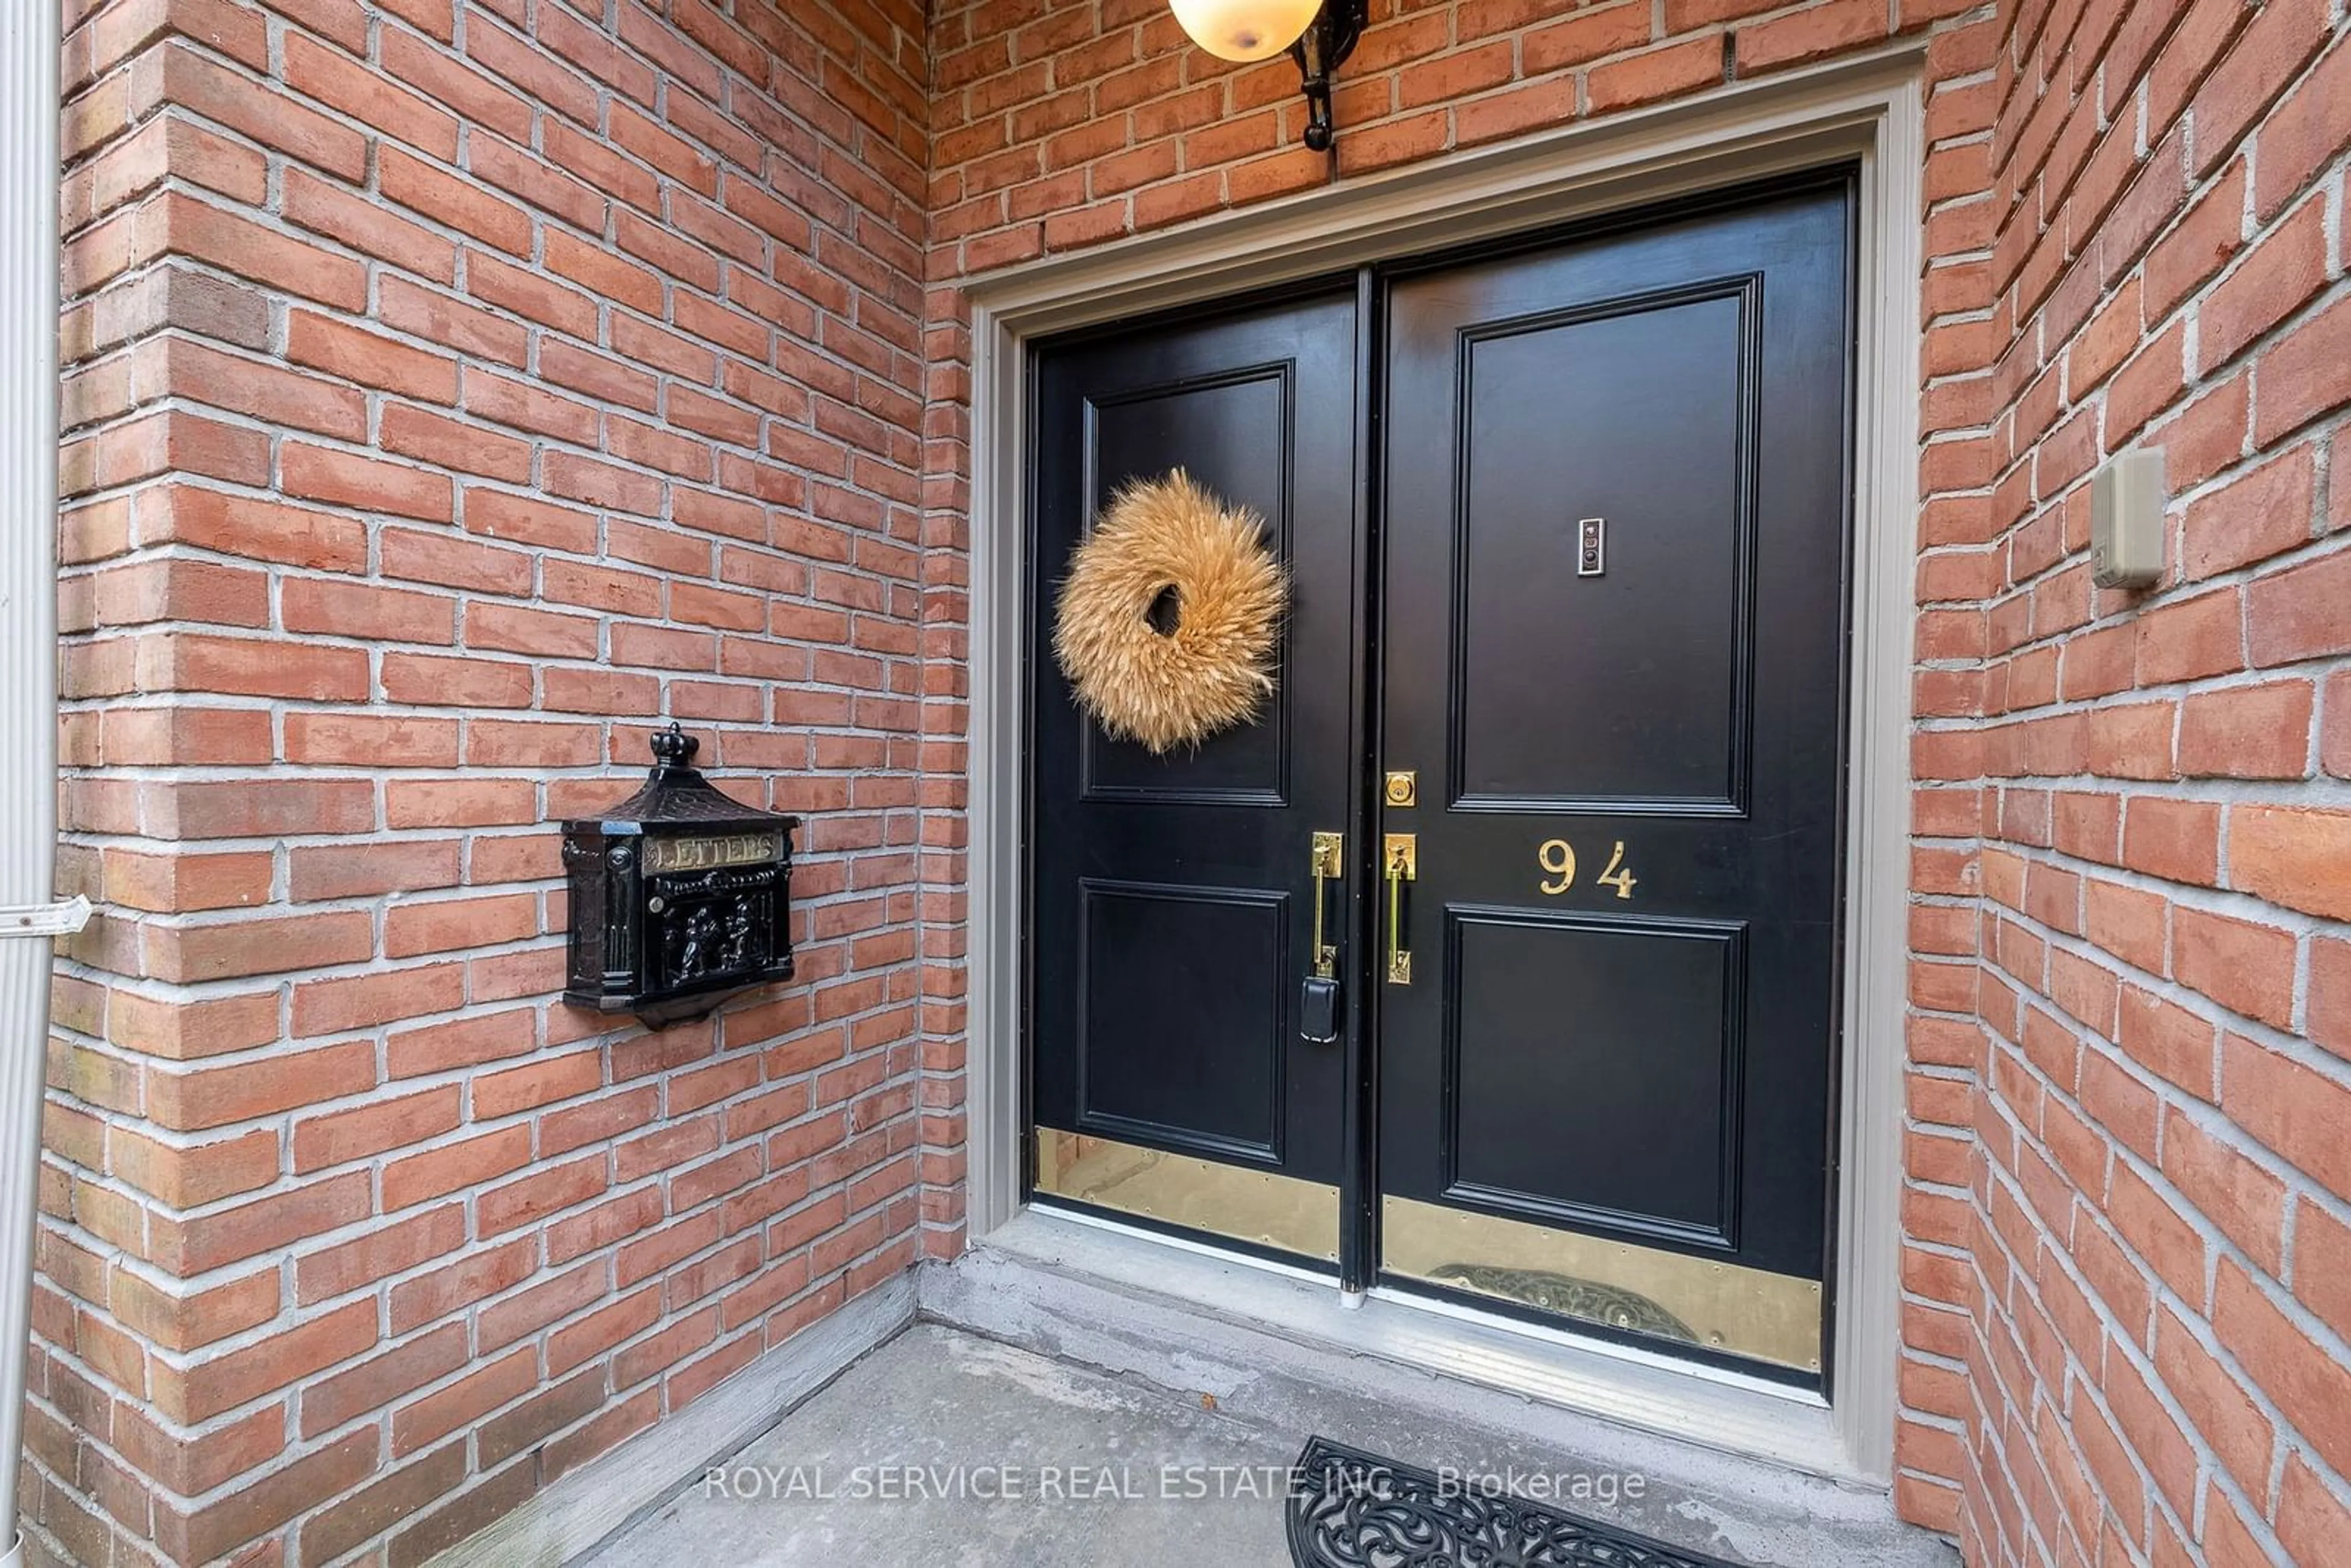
{"type": "Point", "coordinates": [1403, 788]}
{"type": "Point", "coordinates": [1263, 1206]}
{"type": "Point", "coordinates": [1669, 1296]}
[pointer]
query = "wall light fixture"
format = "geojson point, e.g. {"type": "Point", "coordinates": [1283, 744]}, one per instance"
{"type": "Point", "coordinates": [1319, 33]}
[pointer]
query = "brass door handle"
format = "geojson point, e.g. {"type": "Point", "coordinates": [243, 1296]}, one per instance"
{"type": "Point", "coordinates": [1400, 854]}
{"type": "Point", "coordinates": [1320, 1011]}
{"type": "Point", "coordinates": [1330, 866]}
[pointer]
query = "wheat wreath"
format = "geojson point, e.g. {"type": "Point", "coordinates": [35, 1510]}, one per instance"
{"type": "Point", "coordinates": [1168, 622]}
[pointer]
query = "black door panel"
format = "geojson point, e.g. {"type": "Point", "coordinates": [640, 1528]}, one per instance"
{"type": "Point", "coordinates": [1605, 628]}
{"type": "Point", "coordinates": [1628, 829]}
{"type": "Point", "coordinates": [1557, 1122]}
{"type": "Point", "coordinates": [1182, 1028]}
{"type": "Point", "coordinates": [1171, 900]}
{"type": "Point", "coordinates": [1645, 418]}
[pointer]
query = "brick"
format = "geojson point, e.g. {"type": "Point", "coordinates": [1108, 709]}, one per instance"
{"type": "Point", "coordinates": [445, 442]}
{"type": "Point", "coordinates": [460, 802]}
{"type": "Point", "coordinates": [2177, 840]}
{"type": "Point", "coordinates": [601, 1331]}
{"type": "Point", "coordinates": [2208, 435]}
{"type": "Point", "coordinates": [212, 1530]}
{"type": "Point", "coordinates": [1585, 36]}
{"type": "Point", "coordinates": [201, 1317]}
{"type": "Point", "coordinates": [365, 96]}
{"type": "Point", "coordinates": [381, 1125]}
{"type": "Point", "coordinates": [2251, 518]}
{"type": "Point", "coordinates": [2312, 1388]}
{"type": "Point", "coordinates": [386, 1248]}
{"type": "Point", "coordinates": [393, 1496]}
{"type": "Point", "coordinates": [274, 1363]}
{"type": "Point", "coordinates": [2236, 1194]}
{"type": "Point", "coordinates": [230, 949]}
{"type": "Point", "coordinates": [378, 1380]}
{"type": "Point", "coordinates": [363, 610]}
{"type": "Point", "coordinates": [435, 317]}
{"type": "Point", "coordinates": [468, 1041]}
{"type": "Point", "coordinates": [547, 1191]}
{"type": "Point", "coordinates": [446, 80]}
{"type": "Point", "coordinates": [1665, 72]}
{"type": "Point", "coordinates": [2248, 732]}
{"type": "Point", "coordinates": [522, 406]}
{"type": "Point", "coordinates": [190, 1176]}
{"type": "Point", "coordinates": [256, 529]}
{"type": "Point", "coordinates": [513, 630]}
{"type": "Point", "coordinates": [2237, 963]}
{"type": "Point", "coordinates": [2168, 1041]}
{"type": "Point", "coordinates": [216, 1096]}
{"type": "Point", "coordinates": [2133, 742]}
{"type": "Point", "coordinates": [261, 390]}
{"type": "Point", "coordinates": [346, 870]}
{"type": "Point", "coordinates": [489, 1386]}
{"type": "Point", "coordinates": [532, 1422]}
{"type": "Point", "coordinates": [2290, 1108]}
{"type": "Point", "coordinates": [2268, 55]}
{"type": "Point", "coordinates": [2132, 924]}
{"type": "Point", "coordinates": [238, 666]}
{"type": "Point", "coordinates": [191, 1468]}
{"type": "Point", "coordinates": [426, 679]}
{"type": "Point", "coordinates": [2301, 613]}
{"type": "Point", "coordinates": [370, 359]}
{"type": "Point", "coordinates": [2307, 130]}
{"type": "Point", "coordinates": [173, 883]}
{"type": "Point", "coordinates": [2330, 995]}
{"type": "Point", "coordinates": [272, 117]}
{"type": "Point", "coordinates": [1808, 34]}
{"type": "Point", "coordinates": [2202, 243]}
{"type": "Point", "coordinates": [417, 1178]}
{"type": "Point", "coordinates": [326, 209]}
{"type": "Point", "coordinates": [433, 193]}
{"type": "Point", "coordinates": [346, 739]}
{"type": "Point", "coordinates": [2311, 1522]}
{"type": "Point", "coordinates": [2284, 268]}
{"type": "Point", "coordinates": [262, 808]}
{"type": "Point", "coordinates": [364, 1002]}
{"type": "Point", "coordinates": [2299, 858]}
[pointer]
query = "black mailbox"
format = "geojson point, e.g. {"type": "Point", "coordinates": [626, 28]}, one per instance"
{"type": "Point", "coordinates": [679, 895]}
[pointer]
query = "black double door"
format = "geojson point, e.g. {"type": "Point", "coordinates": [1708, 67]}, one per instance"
{"type": "Point", "coordinates": [1555, 748]}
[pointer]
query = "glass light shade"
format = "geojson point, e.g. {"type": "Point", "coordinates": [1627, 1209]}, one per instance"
{"type": "Point", "coordinates": [1245, 29]}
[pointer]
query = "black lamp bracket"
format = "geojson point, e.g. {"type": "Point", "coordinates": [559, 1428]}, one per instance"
{"type": "Point", "coordinates": [1325, 45]}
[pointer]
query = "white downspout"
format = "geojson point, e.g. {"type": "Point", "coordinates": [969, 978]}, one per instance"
{"type": "Point", "coordinates": [28, 673]}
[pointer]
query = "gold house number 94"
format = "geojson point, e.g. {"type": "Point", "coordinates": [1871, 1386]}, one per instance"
{"type": "Point", "coordinates": [1557, 856]}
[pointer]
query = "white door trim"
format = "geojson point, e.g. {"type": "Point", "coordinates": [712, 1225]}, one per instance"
{"type": "Point", "coordinates": [1867, 108]}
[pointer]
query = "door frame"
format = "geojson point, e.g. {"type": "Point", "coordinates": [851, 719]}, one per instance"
{"type": "Point", "coordinates": [1866, 111]}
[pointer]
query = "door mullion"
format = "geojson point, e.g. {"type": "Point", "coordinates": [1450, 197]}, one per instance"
{"type": "Point", "coordinates": [1359, 1199]}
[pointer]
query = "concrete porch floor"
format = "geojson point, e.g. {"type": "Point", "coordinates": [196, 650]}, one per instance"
{"type": "Point", "coordinates": [1090, 1449]}
{"type": "Point", "coordinates": [938, 1399]}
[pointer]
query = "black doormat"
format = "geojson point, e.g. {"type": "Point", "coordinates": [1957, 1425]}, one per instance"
{"type": "Point", "coordinates": [1354, 1509]}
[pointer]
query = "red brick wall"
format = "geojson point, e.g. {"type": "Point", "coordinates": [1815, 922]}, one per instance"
{"type": "Point", "coordinates": [455, 387]}
{"type": "Point", "coordinates": [2132, 1134]}
{"type": "Point", "coordinates": [721, 472]}
{"type": "Point", "coordinates": [2129, 1198]}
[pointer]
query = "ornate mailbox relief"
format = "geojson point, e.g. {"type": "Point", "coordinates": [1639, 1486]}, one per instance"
{"type": "Point", "coordinates": [679, 895]}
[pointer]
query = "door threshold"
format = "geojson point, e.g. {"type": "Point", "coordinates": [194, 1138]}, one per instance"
{"type": "Point", "coordinates": [1561, 1337]}
{"type": "Point", "coordinates": [1567, 1340]}
{"type": "Point", "coordinates": [1173, 1309]}
{"type": "Point", "coordinates": [1201, 1246]}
